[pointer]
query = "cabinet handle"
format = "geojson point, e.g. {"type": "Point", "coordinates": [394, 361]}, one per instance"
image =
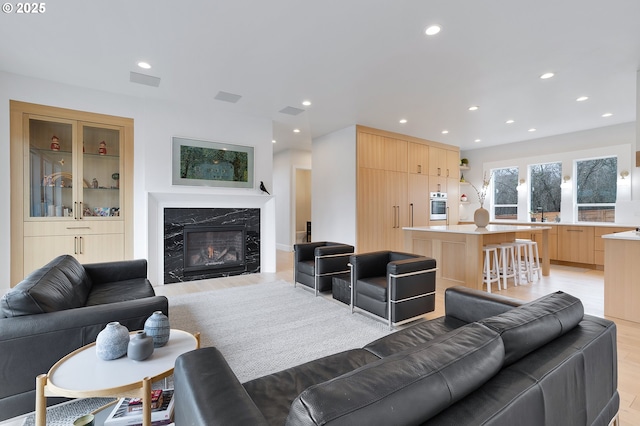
{"type": "Point", "coordinates": [398, 217]}
{"type": "Point", "coordinates": [575, 230]}
{"type": "Point", "coordinates": [411, 209]}
{"type": "Point", "coordinates": [80, 211]}
{"type": "Point", "coordinates": [419, 168]}
{"type": "Point", "coordinates": [81, 248]}
{"type": "Point", "coordinates": [439, 171]}
{"type": "Point", "coordinates": [447, 172]}
{"type": "Point", "coordinates": [75, 245]}
{"type": "Point", "coordinates": [439, 188]}
{"type": "Point", "coordinates": [75, 209]}
{"type": "Point", "coordinates": [78, 227]}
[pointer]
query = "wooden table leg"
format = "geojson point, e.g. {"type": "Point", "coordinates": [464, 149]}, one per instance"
{"type": "Point", "coordinates": [146, 401]}
{"type": "Point", "coordinates": [546, 263]}
{"type": "Point", "coordinates": [41, 400]}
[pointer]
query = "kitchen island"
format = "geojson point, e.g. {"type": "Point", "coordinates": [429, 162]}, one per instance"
{"type": "Point", "coordinates": [458, 249]}
{"type": "Point", "coordinates": [621, 272]}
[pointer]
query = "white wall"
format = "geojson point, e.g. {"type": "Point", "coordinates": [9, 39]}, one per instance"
{"type": "Point", "coordinates": [611, 140]}
{"type": "Point", "coordinates": [333, 186]}
{"type": "Point", "coordinates": [285, 164]}
{"type": "Point", "coordinates": [155, 122]}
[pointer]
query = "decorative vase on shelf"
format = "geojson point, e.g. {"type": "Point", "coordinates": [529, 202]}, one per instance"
{"type": "Point", "coordinates": [157, 326]}
{"type": "Point", "coordinates": [112, 341]}
{"type": "Point", "coordinates": [140, 346]}
{"type": "Point", "coordinates": [481, 217]}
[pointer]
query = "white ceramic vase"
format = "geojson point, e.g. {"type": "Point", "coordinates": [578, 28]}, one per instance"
{"type": "Point", "coordinates": [481, 217]}
{"type": "Point", "coordinates": [157, 326]}
{"type": "Point", "coordinates": [112, 341]}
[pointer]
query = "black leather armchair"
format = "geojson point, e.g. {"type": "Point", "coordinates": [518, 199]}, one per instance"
{"type": "Point", "coordinates": [316, 263]}
{"type": "Point", "coordinates": [395, 286]}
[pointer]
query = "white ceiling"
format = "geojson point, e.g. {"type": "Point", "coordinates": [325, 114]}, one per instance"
{"type": "Point", "coordinates": [359, 61]}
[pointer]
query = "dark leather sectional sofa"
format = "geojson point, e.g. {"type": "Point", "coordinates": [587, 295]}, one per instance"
{"type": "Point", "coordinates": [60, 308]}
{"type": "Point", "coordinates": [488, 361]}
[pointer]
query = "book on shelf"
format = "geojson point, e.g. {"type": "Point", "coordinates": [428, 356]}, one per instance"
{"type": "Point", "coordinates": [128, 411]}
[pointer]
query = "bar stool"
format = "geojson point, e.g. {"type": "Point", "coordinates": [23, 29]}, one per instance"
{"type": "Point", "coordinates": [533, 262]}
{"type": "Point", "coordinates": [490, 272]}
{"type": "Point", "coordinates": [508, 267]}
{"type": "Point", "coordinates": [522, 260]}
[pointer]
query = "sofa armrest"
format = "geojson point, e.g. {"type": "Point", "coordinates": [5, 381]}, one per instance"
{"type": "Point", "coordinates": [121, 270]}
{"type": "Point", "coordinates": [207, 392]}
{"type": "Point", "coordinates": [406, 266]}
{"type": "Point", "coordinates": [471, 305]}
{"type": "Point", "coordinates": [333, 249]}
{"type": "Point", "coordinates": [305, 251]}
{"type": "Point", "coordinates": [31, 344]}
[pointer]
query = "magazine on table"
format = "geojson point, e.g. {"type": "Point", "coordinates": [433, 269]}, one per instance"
{"type": "Point", "coordinates": [124, 415]}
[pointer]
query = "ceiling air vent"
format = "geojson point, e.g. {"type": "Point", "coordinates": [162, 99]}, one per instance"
{"type": "Point", "coordinates": [227, 97]}
{"type": "Point", "coordinates": [291, 110]}
{"type": "Point", "coordinates": [147, 80]}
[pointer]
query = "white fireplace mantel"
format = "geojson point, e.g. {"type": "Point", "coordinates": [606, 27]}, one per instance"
{"type": "Point", "coordinates": [158, 201]}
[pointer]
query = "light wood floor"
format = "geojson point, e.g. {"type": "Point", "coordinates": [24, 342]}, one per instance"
{"type": "Point", "coordinates": [586, 284]}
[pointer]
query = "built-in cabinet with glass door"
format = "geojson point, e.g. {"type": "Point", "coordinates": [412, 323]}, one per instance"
{"type": "Point", "coordinates": [71, 186]}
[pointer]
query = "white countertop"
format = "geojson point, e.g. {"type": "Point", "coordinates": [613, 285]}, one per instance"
{"type": "Point", "coordinates": [628, 235]}
{"type": "Point", "coordinates": [472, 229]}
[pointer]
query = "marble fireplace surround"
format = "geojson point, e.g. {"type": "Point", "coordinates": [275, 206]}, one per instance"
{"type": "Point", "coordinates": [158, 202]}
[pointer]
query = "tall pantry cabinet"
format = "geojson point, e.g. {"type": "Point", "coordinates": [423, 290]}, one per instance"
{"type": "Point", "coordinates": [393, 184]}
{"type": "Point", "coordinates": [71, 186]}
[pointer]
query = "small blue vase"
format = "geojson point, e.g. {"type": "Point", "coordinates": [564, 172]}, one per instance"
{"type": "Point", "coordinates": [140, 346]}
{"type": "Point", "coordinates": [112, 341]}
{"type": "Point", "coordinates": [157, 326]}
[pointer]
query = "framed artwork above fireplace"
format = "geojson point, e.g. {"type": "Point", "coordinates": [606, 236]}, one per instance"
{"type": "Point", "coordinates": [205, 163]}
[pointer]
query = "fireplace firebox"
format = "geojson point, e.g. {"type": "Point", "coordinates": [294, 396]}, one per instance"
{"type": "Point", "coordinates": [214, 248]}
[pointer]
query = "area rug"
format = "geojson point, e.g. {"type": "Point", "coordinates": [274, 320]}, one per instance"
{"type": "Point", "coordinates": [260, 329]}
{"type": "Point", "coordinates": [264, 328]}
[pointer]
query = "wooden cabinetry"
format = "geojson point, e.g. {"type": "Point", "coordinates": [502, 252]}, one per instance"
{"type": "Point", "coordinates": [418, 158]}
{"type": "Point", "coordinates": [576, 244]}
{"type": "Point", "coordinates": [393, 188]}
{"type": "Point", "coordinates": [444, 162]}
{"type": "Point", "coordinates": [598, 242]}
{"type": "Point", "coordinates": [71, 187]}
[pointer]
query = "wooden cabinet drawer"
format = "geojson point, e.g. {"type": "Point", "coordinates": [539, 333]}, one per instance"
{"type": "Point", "coordinates": [576, 244]}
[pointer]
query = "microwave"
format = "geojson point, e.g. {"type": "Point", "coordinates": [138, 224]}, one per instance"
{"type": "Point", "coordinates": [438, 205]}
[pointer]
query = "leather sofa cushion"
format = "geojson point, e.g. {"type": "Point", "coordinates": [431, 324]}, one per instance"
{"type": "Point", "coordinates": [374, 287]}
{"type": "Point", "coordinates": [120, 291]}
{"type": "Point", "coordinates": [532, 325]}
{"type": "Point", "coordinates": [273, 394]}
{"type": "Point", "coordinates": [61, 284]}
{"type": "Point", "coordinates": [418, 383]}
{"type": "Point", "coordinates": [307, 267]}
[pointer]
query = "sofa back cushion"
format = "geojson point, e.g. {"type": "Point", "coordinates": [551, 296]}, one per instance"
{"type": "Point", "coordinates": [417, 383]}
{"type": "Point", "coordinates": [532, 325]}
{"type": "Point", "coordinates": [60, 284]}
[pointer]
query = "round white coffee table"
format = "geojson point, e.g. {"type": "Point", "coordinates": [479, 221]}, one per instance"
{"type": "Point", "coordinates": [82, 374]}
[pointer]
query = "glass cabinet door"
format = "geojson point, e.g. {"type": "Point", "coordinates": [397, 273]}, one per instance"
{"type": "Point", "coordinates": [100, 171]}
{"type": "Point", "coordinates": [50, 168]}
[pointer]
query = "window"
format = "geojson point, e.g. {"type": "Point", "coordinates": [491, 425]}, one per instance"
{"type": "Point", "coordinates": [596, 189]}
{"type": "Point", "coordinates": [505, 193]}
{"type": "Point", "coordinates": [545, 193]}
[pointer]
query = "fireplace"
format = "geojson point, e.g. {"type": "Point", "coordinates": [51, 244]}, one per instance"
{"type": "Point", "coordinates": [213, 248]}
{"type": "Point", "coordinates": [202, 243]}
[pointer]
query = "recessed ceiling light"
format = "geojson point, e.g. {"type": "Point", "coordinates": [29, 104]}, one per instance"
{"type": "Point", "coordinates": [532, 129]}
{"type": "Point", "coordinates": [582, 98]}
{"type": "Point", "coordinates": [509, 121]}
{"type": "Point", "coordinates": [306, 103]}
{"type": "Point", "coordinates": [403, 121]}
{"type": "Point", "coordinates": [478, 140]}
{"type": "Point", "coordinates": [432, 30]}
{"type": "Point", "coordinates": [296, 130]}
{"type": "Point", "coordinates": [547, 75]}
{"type": "Point", "coordinates": [273, 141]}
{"type": "Point", "coordinates": [474, 108]}
{"type": "Point", "coordinates": [444, 132]}
{"type": "Point", "coordinates": [144, 65]}
{"type": "Point", "coordinates": [607, 114]}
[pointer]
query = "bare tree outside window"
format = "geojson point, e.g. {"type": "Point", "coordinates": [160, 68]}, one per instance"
{"type": "Point", "coordinates": [545, 193]}
{"type": "Point", "coordinates": [597, 189]}
{"type": "Point", "coordinates": [505, 193]}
